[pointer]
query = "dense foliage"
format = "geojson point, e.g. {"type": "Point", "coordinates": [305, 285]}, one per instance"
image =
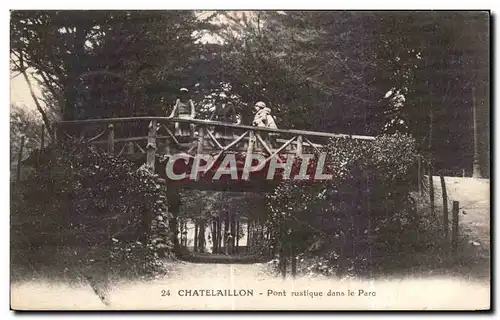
{"type": "Point", "coordinates": [84, 199]}
{"type": "Point", "coordinates": [345, 218]}
{"type": "Point", "coordinates": [334, 71]}
{"type": "Point", "coordinates": [23, 123]}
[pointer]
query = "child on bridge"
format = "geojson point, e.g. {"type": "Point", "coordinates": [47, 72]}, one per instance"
{"type": "Point", "coordinates": [184, 109]}
{"type": "Point", "coordinates": [263, 118]}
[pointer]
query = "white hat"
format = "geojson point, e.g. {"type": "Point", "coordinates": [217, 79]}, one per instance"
{"type": "Point", "coordinates": [184, 90]}
{"type": "Point", "coordinates": [260, 104]}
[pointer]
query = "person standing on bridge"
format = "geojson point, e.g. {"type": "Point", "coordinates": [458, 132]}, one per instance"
{"type": "Point", "coordinates": [184, 109]}
{"type": "Point", "coordinates": [263, 118]}
{"type": "Point", "coordinates": [270, 121]}
{"type": "Point", "coordinates": [259, 119]}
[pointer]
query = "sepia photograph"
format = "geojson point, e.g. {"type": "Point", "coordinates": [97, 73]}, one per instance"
{"type": "Point", "coordinates": [165, 160]}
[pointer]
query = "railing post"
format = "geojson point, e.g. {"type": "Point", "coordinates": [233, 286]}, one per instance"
{"type": "Point", "coordinates": [111, 139]}
{"type": "Point", "coordinates": [299, 146]}
{"type": "Point", "coordinates": [130, 148]}
{"type": "Point", "coordinates": [151, 147]}
{"type": "Point", "coordinates": [248, 159]}
{"type": "Point", "coordinates": [201, 140]}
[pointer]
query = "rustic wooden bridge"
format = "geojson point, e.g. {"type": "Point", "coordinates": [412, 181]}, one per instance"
{"type": "Point", "coordinates": [154, 140]}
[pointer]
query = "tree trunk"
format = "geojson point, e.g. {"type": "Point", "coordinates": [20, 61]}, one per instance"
{"type": "Point", "coordinates": [261, 234]}
{"type": "Point", "coordinates": [219, 235]}
{"type": "Point", "coordinates": [226, 230]}
{"type": "Point", "coordinates": [294, 259]}
{"type": "Point", "coordinates": [39, 108]}
{"type": "Point", "coordinates": [233, 232]}
{"type": "Point", "coordinates": [174, 202]}
{"type": "Point", "coordinates": [248, 235]}
{"type": "Point", "coordinates": [237, 236]}
{"type": "Point", "coordinates": [195, 249]}
{"type": "Point", "coordinates": [214, 235]}
{"type": "Point", "coordinates": [186, 230]}
{"type": "Point", "coordinates": [201, 237]}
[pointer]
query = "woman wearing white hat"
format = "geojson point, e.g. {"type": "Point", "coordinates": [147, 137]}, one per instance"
{"type": "Point", "coordinates": [183, 109]}
{"type": "Point", "coordinates": [263, 118]}
{"type": "Point", "coordinates": [259, 119]}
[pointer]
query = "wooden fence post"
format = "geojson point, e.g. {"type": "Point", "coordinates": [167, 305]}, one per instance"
{"type": "Point", "coordinates": [111, 139]}
{"type": "Point", "coordinates": [445, 207]}
{"type": "Point", "coordinates": [454, 229]}
{"type": "Point", "coordinates": [237, 236]}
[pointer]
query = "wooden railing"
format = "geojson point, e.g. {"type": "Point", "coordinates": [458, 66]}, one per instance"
{"type": "Point", "coordinates": [207, 137]}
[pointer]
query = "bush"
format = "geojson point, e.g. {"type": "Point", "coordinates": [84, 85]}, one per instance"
{"type": "Point", "coordinates": [103, 206]}
{"type": "Point", "coordinates": [352, 221]}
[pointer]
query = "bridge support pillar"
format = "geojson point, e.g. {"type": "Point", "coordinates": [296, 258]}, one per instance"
{"type": "Point", "coordinates": [298, 151]}
{"type": "Point", "coordinates": [151, 147]}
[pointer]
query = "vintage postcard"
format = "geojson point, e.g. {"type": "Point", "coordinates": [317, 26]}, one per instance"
{"type": "Point", "coordinates": [250, 160]}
